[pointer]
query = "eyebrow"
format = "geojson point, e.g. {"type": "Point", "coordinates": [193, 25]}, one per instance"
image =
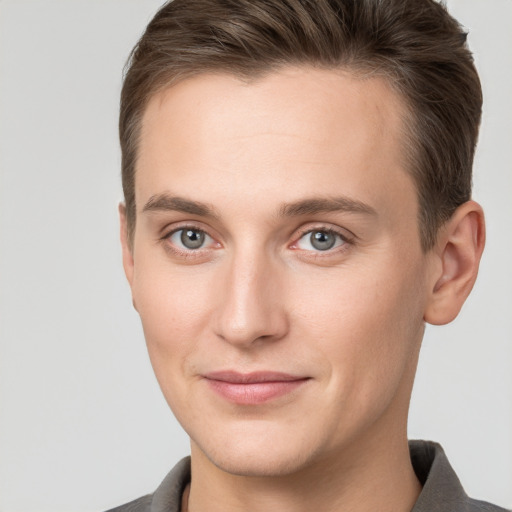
{"type": "Point", "coordinates": [165, 202]}
{"type": "Point", "coordinates": [324, 205]}
{"type": "Point", "coordinates": [312, 206]}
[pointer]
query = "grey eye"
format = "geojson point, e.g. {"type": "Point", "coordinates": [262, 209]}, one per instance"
{"type": "Point", "coordinates": [323, 240]}
{"type": "Point", "coordinates": [320, 240]}
{"type": "Point", "coordinates": [189, 238]}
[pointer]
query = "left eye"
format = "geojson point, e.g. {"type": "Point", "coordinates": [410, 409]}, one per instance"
{"type": "Point", "coordinates": [320, 240]}
{"type": "Point", "coordinates": [190, 238]}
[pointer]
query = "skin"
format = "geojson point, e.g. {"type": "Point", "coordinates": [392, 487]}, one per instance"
{"type": "Point", "coordinates": [243, 158]}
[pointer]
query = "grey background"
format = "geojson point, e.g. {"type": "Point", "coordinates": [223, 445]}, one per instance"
{"type": "Point", "coordinates": [83, 426]}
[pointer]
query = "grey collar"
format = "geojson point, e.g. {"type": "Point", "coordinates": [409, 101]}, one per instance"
{"type": "Point", "coordinates": [442, 490]}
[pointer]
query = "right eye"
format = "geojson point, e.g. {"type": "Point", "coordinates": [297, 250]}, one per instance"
{"type": "Point", "coordinates": [189, 239]}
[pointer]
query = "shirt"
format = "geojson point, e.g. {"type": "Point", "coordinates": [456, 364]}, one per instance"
{"type": "Point", "coordinates": [442, 490]}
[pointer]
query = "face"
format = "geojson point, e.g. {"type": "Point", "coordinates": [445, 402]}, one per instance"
{"type": "Point", "coordinates": [276, 265]}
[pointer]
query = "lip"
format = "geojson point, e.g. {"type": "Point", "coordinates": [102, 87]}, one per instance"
{"type": "Point", "coordinates": [253, 388]}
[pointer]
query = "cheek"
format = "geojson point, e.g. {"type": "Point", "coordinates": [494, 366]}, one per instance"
{"type": "Point", "coordinates": [368, 325]}
{"type": "Point", "coordinates": [169, 299]}
{"type": "Point", "coordinates": [174, 308]}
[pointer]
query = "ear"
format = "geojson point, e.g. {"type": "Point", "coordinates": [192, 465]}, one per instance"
{"type": "Point", "coordinates": [458, 250]}
{"type": "Point", "coordinates": [128, 262]}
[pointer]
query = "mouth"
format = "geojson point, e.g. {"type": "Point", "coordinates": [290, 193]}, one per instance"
{"type": "Point", "coordinates": [253, 388]}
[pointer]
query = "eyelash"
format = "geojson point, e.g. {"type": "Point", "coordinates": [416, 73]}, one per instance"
{"type": "Point", "coordinates": [184, 253]}
{"type": "Point", "coordinates": [347, 241]}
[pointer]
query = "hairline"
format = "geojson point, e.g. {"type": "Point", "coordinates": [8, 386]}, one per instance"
{"type": "Point", "coordinates": [363, 71]}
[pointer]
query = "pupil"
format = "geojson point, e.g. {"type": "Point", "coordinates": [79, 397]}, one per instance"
{"type": "Point", "coordinates": [192, 239]}
{"type": "Point", "coordinates": [322, 240]}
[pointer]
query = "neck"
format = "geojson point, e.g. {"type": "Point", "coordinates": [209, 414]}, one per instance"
{"type": "Point", "coordinates": [372, 472]}
{"type": "Point", "coordinates": [381, 480]}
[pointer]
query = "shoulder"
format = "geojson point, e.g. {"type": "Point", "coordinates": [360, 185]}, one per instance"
{"type": "Point", "coordinates": [167, 498]}
{"type": "Point", "coordinates": [442, 490]}
{"type": "Point", "coordinates": [483, 506]}
{"type": "Point", "coordinates": [142, 504]}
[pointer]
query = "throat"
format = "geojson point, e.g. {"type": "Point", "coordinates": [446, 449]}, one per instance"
{"type": "Point", "coordinates": [330, 487]}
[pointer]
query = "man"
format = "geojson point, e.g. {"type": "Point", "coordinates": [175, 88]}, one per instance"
{"type": "Point", "coordinates": [297, 180]}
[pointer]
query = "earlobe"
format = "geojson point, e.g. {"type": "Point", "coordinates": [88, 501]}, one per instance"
{"type": "Point", "coordinates": [128, 262]}
{"type": "Point", "coordinates": [458, 251]}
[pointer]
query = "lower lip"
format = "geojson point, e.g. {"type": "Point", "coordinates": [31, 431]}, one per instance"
{"type": "Point", "coordinates": [254, 393]}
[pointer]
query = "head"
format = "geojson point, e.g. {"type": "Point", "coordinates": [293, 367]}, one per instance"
{"type": "Point", "coordinates": [414, 45]}
{"type": "Point", "coordinates": [297, 179]}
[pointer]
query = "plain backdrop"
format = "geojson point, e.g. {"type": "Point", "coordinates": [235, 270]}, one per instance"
{"type": "Point", "coordinates": [83, 426]}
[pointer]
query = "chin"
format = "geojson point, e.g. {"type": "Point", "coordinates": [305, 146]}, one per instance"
{"type": "Point", "coordinates": [258, 455]}
{"type": "Point", "coordinates": [258, 464]}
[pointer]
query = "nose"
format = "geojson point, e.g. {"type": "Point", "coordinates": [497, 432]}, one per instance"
{"type": "Point", "coordinates": [250, 303]}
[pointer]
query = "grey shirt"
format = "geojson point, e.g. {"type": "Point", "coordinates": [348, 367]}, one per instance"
{"type": "Point", "coordinates": [442, 490]}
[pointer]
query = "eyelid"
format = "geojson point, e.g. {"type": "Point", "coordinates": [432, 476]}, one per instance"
{"type": "Point", "coordinates": [176, 225]}
{"type": "Point", "coordinates": [173, 227]}
{"type": "Point", "coordinates": [344, 233]}
{"type": "Point", "coordinates": [183, 252]}
{"type": "Point", "coordinates": [346, 236]}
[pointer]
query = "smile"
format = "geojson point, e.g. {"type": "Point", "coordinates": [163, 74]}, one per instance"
{"type": "Point", "coordinates": [253, 388]}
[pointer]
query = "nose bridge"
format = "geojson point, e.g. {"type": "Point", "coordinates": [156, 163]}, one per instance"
{"type": "Point", "coordinates": [251, 307]}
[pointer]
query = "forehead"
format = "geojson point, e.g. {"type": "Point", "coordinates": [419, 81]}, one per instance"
{"type": "Point", "coordinates": [303, 127]}
{"type": "Point", "coordinates": [207, 101]}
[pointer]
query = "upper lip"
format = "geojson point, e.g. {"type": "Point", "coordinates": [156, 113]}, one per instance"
{"type": "Point", "coordinates": [234, 377]}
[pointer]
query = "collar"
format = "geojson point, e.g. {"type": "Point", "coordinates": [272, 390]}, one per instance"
{"type": "Point", "coordinates": [442, 490]}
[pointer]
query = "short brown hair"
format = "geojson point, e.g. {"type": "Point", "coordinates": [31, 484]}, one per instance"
{"type": "Point", "coordinates": [415, 44]}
